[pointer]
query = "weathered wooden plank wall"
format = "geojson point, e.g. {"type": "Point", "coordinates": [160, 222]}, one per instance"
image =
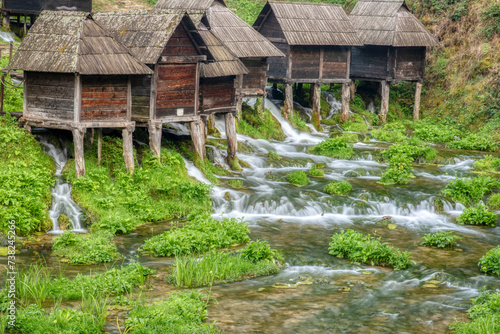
{"type": "Point", "coordinates": [104, 98]}
{"type": "Point", "coordinates": [218, 92]}
{"type": "Point", "coordinates": [176, 89]}
{"type": "Point", "coordinates": [369, 62]}
{"type": "Point", "coordinates": [180, 44]}
{"type": "Point", "coordinates": [305, 62]}
{"type": "Point", "coordinates": [410, 63]}
{"type": "Point", "coordinates": [141, 96]}
{"type": "Point", "coordinates": [335, 62]}
{"type": "Point", "coordinates": [50, 95]}
{"type": "Point", "coordinates": [257, 74]}
{"type": "Point", "coordinates": [272, 31]}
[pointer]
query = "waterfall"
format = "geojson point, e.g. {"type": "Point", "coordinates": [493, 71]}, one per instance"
{"type": "Point", "coordinates": [62, 203]}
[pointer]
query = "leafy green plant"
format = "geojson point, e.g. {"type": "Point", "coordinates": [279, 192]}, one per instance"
{"type": "Point", "coordinates": [333, 147]}
{"type": "Point", "coordinates": [298, 178]}
{"type": "Point", "coordinates": [361, 248]}
{"type": "Point", "coordinates": [433, 132]}
{"type": "Point", "coordinates": [494, 202]}
{"type": "Point", "coordinates": [97, 247]}
{"type": "Point", "coordinates": [490, 262]}
{"type": "Point", "coordinates": [391, 132]}
{"type": "Point", "coordinates": [399, 170]}
{"type": "Point", "coordinates": [316, 172]}
{"type": "Point", "coordinates": [260, 126]}
{"type": "Point", "coordinates": [273, 156]}
{"type": "Point", "coordinates": [488, 164]}
{"type": "Point", "coordinates": [477, 216]}
{"type": "Point", "coordinates": [236, 184]}
{"type": "Point", "coordinates": [201, 234]}
{"type": "Point", "coordinates": [491, 19]}
{"type": "Point", "coordinates": [469, 191]}
{"type": "Point", "coordinates": [441, 240]}
{"type": "Point", "coordinates": [341, 188]}
{"type": "Point", "coordinates": [475, 141]}
{"type": "Point", "coordinates": [419, 153]}
{"type": "Point", "coordinates": [260, 250]}
{"type": "Point", "coordinates": [297, 122]}
{"type": "Point", "coordinates": [350, 137]}
{"type": "Point", "coordinates": [484, 315]}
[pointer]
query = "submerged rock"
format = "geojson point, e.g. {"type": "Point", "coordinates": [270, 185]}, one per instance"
{"type": "Point", "coordinates": [64, 222]}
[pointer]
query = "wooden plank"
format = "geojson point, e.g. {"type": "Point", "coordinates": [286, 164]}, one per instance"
{"type": "Point", "coordinates": [182, 59]}
{"type": "Point", "coordinates": [152, 100]}
{"type": "Point", "coordinates": [176, 85]}
{"type": "Point", "coordinates": [197, 89]}
{"type": "Point", "coordinates": [78, 100]}
{"type": "Point", "coordinates": [176, 72]}
{"type": "Point", "coordinates": [416, 108]}
{"type": "Point", "coordinates": [129, 99]}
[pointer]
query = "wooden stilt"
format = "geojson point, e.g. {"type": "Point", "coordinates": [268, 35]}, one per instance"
{"type": "Point", "coordinates": [128, 149]}
{"type": "Point", "coordinates": [385, 101]}
{"type": "Point", "coordinates": [155, 129]}
{"type": "Point", "coordinates": [2, 92]}
{"type": "Point", "coordinates": [198, 137]}
{"type": "Point", "coordinates": [232, 142]}
{"type": "Point", "coordinates": [353, 90]}
{"type": "Point", "coordinates": [92, 136]}
{"type": "Point", "coordinates": [345, 102]}
{"type": "Point", "coordinates": [316, 88]}
{"type": "Point", "coordinates": [78, 138]}
{"type": "Point", "coordinates": [416, 108]}
{"type": "Point", "coordinates": [288, 109]}
{"type": "Point", "coordinates": [239, 99]}
{"type": "Point", "coordinates": [311, 95]}
{"type": "Point", "coordinates": [239, 106]}
{"type": "Point", "coordinates": [99, 146]}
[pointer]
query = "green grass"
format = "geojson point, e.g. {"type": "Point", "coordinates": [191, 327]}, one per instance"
{"type": "Point", "coordinates": [469, 191]}
{"type": "Point", "coordinates": [298, 178]}
{"type": "Point", "coordinates": [256, 259]}
{"type": "Point", "coordinates": [388, 134]}
{"type": "Point", "coordinates": [25, 180]}
{"type": "Point", "coordinates": [475, 141]}
{"type": "Point", "coordinates": [316, 172]}
{"type": "Point", "coordinates": [118, 201]}
{"type": "Point", "coordinates": [259, 126]}
{"type": "Point", "coordinates": [183, 312]}
{"type": "Point", "coordinates": [337, 147]}
{"type": "Point", "coordinates": [478, 215]}
{"type": "Point", "coordinates": [361, 248]}
{"type": "Point", "coordinates": [490, 262]}
{"type": "Point", "coordinates": [298, 123]}
{"type": "Point", "coordinates": [494, 202]}
{"type": "Point", "coordinates": [430, 131]}
{"type": "Point", "coordinates": [98, 247]}
{"type": "Point", "coordinates": [484, 315]}
{"type": "Point", "coordinates": [341, 188]}
{"type": "Point", "coordinates": [441, 240]}
{"type": "Point", "coordinates": [200, 235]}
{"type": "Point", "coordinates": [488, 164]}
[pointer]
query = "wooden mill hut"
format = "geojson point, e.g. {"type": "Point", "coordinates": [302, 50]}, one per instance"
{"type": "Point", "coordinates": [219, 85]}
{"type": "Point", "coordinates": [77, 76]}
{"type": "Point", "coordinates": [394, 48]}
{"type": "Point", "coordinates": [172, 47]}
{"type": "Point", "coordinates": [316, 39]}
{"type": "Point", "coordinates": [252, 48]}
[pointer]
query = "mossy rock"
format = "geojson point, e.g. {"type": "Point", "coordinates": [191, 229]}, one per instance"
{"type": "Point", "coordinates": [64, 222]}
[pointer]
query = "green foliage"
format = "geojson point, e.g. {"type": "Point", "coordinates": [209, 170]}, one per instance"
{"type": "Point", "coordinates": [25, 180]}
{"type": "Point", "coordinates": [273, 156]}
{"type": "Point", "coordinates": [337, 147]}
{"type": "Point", "coordinates": [298, 178]}
{"type": "Point", "coordinates": [259, 126]}
{"type": "Point", "coordinates": [433, 132]}
{"type": "Point", "coordinates": [491, 19]}
{"type": "Point", "coordinates": [297, 122]}
{"type": "Point", "coordinates": [484, 313]}
{"type": "Point", "coordinates": [316, 172]}
{"type": "Point", "coordinates": [257, 251]}
{"type": "Point", "coordinates": [236, 184]}
{"type": "Point", "coordinates": [222, 267]}
{"type": "Point", "coordinates": [341, 188]}
{"type": "Point", "coordinates": [391, 132]}
{"type": "Point", "coordinates": [357, 247]}
{"type": "Point", "coordinates": [478, 215]}
{"type": "Point", "coordinates": [13, 93]}
{"type": "Point", "coordinates": [399, 170]}
{"type": "Point", "coordinates": [350, 137]}
{"type": "Point", "coordinates": [182, 312]}
{"type": "Point", "coordinates": [157, 191]}
{"type": "Point", "coordinates": [201, 234]}
{"type": "Point", "coordinates": [488, 164]}
{"type": "Point", "coordinates": [441, 240]}
{"type": "Point", "coordinates": [494, 202]}
{"type": "Point", "coordinates": [469, 191]}
{"type": "Point", "coordinates": [475, 141]}
{"type": "Point", "coordinates": [92, 248]}
{"type": "Point", "coordinates": [490, 262]}
{"type": "Point", "coordinates": [419, 153]}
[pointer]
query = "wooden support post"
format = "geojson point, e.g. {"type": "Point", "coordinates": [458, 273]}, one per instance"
{"type": "Point", "coordinates": [2, 92]}
{"type": "Point", "coordinates": [288, 109]}
{"type": "Point", "coordinates": [232, 141]}
{"type": "Point", "coordinates": [78, 138]}
{"type": "Point", "coordinates": [11, 50]}
{"type": "Point", "coordinates": [155, 132]}
{"type": "Point", "coordinates": [353, 90]}
{"type": "Point", "coordinates": [99, 146]}
{"type": "Point", "coordinates": [311, 95]}
{"type": "Point", "coordinates": [239, 106]}
{"type": "Point", "coordinates": [316, 88]}
{"type": "Point", "coordinates": [128, 148]}
{"type": "Point", "coordinates": [238, 84]}
{"type": "Point", "coordinates": [345, 102]}
{"type": "Point", "coordinates": [211, 129]}
{"type": "Point", "coordinates": [416, 108]}
{"type": "Point", "coordinates": [198, 137]}
{"type": "Point", "coordinates": [385, 101]}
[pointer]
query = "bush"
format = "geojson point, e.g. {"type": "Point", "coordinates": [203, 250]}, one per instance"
{"type": "Point", "coordinates": [391, 132]}
{"type": "Point", "coordinates": [488, 164]}
{"type": "Point", "coordinates": [357, 247]}
{"type": "Point", "coordinates": [399, 170]}
{"type": "Point", "coordinates": [484, 313]}
{"type": "Point", "coordinates": [494, 202]}
{"type": "Point", "coordinates": [475, 142]}
{"type": "Point", "coordinates": [200, 235]}
{"type": "Point", "coordinates": [491, 19]}
{"type": "Point", "coordinates": [333, 147]}
{"type": "Point", "coordinates": [490, 263]}
{"type": "Point", "coordinates": [478, 216]}
{"type": "Point", "coordinates": [298, 178]}
{"type": "Point", "coordinates": [441, 240]}
{"type": "Point", "coordinates": [257, 251]}
{"type": "Point", "coordinates": [418, 153]}
{"type": "Point", "coordinates": [469, 191]}
{"type": "Point", "coordinates": [429, 131]}
{"type": "Point", "coordinates": [341, 188]}
{"type": "Point", "coordinates": [181, 312]}
{"type": "Point", "coordinates": [86, 249]}
{"type": "Point", "coordinates": [316, 172]}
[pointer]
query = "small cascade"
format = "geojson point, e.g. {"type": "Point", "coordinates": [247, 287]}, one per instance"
{"type": "Point", "coordinates": [371, 107]}
{"type": "Point", "coordinates": [62, 203]}
{"type": "Point", "coordinates": [335, 105]}
{"type": "Point", "coordinates": [7, 36]}
{"type": "Point", "coordinates": [217, 156]}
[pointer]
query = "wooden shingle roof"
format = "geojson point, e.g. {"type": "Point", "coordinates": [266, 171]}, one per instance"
{"type": "Point", "coordinates": [312, 23]}
{"type": "Point", "coordinates": [72, 42]}
{"type": "Point", "coordinates": [235, 33]}
{"type": "Point", "coordinates": [389, 23]}
{"type": "Point", "coordinates": [225, 62]}
{"type": "Point", "coordinates": [145, 32]}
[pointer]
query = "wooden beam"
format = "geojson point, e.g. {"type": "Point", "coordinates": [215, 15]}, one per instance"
{"type": "Point", "coordinates": [288, 108]}
{"type": "Point", "coordinates": [155, 132]}
{"type": "Point", "coordinates": [78, 98]}
{"type": "Point", "coordinates": [129, 98]}
{"type": "Point", "coordinates": [182, 59]}
{"type": "Point", "coordinates": [232, 142]}
{"type": "Point", "coordinates": [128, 149]}
{"type": "Point", "coordinates": [78, 137]}
{"type": "Point", "coordinates": [416, 108]}
{"type": "Point", "coordinates": [25, 95]}
{"type": "Point", "coordinates": [197, 90]}
{"type": "Point", "coordinates": [385, 101]}
{"type": "Point", "coordinates": [198, 137]}
{"type": "Point", "coordinates": [152, 100]}
{"type": "Point", "coordinates": [345, 102]}
{"type": "Point", "coordinates": [239, 100]}
{"type": "Point", "coordinates": [321, 61]}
